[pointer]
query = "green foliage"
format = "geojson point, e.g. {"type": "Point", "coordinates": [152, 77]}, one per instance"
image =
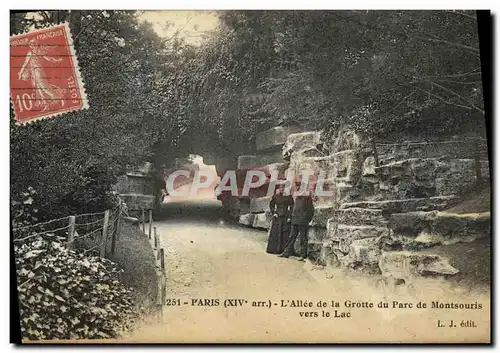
{"type": "Point", "coordinates": [381, 72]}
{"type": "Point", "coordinates": [73, 160]}
{"type": "Point", "coordinates": [22, 211]}
{"type": "Point", "coordinates": [68, 295]}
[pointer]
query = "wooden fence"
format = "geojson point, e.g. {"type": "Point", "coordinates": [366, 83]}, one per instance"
{"type": "Point", "coordinates": [159, 254]}
{"type": "Point", "coordinates": [92, 233]}
{"type": "Point", "coordinates": [96, 234]}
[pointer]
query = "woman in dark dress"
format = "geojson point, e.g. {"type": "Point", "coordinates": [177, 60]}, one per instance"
{"type": "Point", "coordinates": [281, 207]}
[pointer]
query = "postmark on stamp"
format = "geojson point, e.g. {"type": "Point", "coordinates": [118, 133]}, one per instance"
{"type": "Point", "coordinates": [45, 79]}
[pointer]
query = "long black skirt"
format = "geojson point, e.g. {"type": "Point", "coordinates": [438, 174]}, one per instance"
{"type": "Point", "coordinates": [278, 235]}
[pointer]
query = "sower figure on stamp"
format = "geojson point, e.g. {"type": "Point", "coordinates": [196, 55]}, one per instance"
{"type": "Point", "coordinates": [302, 214]}
{"type": "Point", "coordinates": [281, 208]}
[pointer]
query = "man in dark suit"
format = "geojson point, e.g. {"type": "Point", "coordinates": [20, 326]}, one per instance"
{"type": "Point", "coordinates": [302, 214]}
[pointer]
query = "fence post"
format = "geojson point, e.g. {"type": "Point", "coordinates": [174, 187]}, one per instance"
{"type": "Point", "coordinates": [150, 222]}
{"type": "Point", "coordinates": [143, 221]}
{"type": "Point", "coordinates": [157, 241]}
{"type": "Point", "coordinates": [115, 233]}
{"type": "Point", "coordinates": [71, 232]}
{"type": "Point", "coordinates": [104, 234]}
{"type": "Point", "coordinates": [162, 260]}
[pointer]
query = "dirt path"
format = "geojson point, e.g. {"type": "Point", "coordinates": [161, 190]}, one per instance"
{"type": "Point", "coordinates": [208, 259]}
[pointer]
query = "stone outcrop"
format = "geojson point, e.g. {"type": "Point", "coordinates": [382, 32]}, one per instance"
{"type": "Point", "coordinates": [379, 195]}
{"type": "Point", "coordinates": [253, 210]}
{"type": "Point", "coordinates": [273, 138]}
{"type": "Point", "coordinates": [405, 264]}
{"type": "Point", "coordinates": [388, 202]}
{"type": "Point", "coordinates": [305, 142]}
{"type": "Point", "coordinates": [138, 190]}
{"type": "Point", "coordinates": [449, 227]}
{"type": "Point", "coordinates": [417, 177]}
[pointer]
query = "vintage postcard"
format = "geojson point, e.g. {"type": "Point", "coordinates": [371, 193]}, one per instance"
{"type": "Point", "coordinates": [250, 176]}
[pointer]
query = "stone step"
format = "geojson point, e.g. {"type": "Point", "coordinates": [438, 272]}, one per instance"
{"type": "Point", "coordinates": [247, 219]}
{"type": "Point", "coordinates": [337, 231]}
{"type": "Point", "coordinates": [405, 264]}
{"type": "Point", "coordinates": [356, 216]}
{"type": "Point", "coordinates": [406, 205]}
{"type": "Point", "coordinates": [443, 224]}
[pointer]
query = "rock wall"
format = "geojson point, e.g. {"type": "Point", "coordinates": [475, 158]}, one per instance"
{"type": "Point", "coordinates": [137, 189]}
{"type": "Point", "coordinates": [388, 198]}
{"type": "Point", "coordinates": [253, 210]}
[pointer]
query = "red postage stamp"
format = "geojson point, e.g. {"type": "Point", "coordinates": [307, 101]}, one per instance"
{"type": "Point", "coordinates": [45, 79]}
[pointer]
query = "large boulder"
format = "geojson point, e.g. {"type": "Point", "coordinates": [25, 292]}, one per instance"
{"type": "Point", "coordinates": [347, 166]}
{"type": "Point", "coordinates": [365, 253]}
{"type": "Point", "coordinates": [247, 219]}
{"type": "Point", "coordinates": [402, 265]}
{"type": "Point", "coordinates": [321, 215]}
{"type": "Point", "coordinates": [301, 141]}
{"type": "Point", "coordinates": [136, 202]}
{"type": "Point", "coordinates": [135, 183]}
{"type": "Point", "coordinates": [418, 177]}
{"type": "Point", "coordinates": [359, 216]}
{"type": "Point", "coordinates": [351, 232]}
{"type": "Point", "coordinates": [317, 234]}
{"type": "Point", "coordinates": [262, 220]}
{"type": "Point", "coordinates": [459, 177]}
{"type": "Point", "coordinates": [342, 235]}
{"type": "Point", "coordinates": [274, 137]}
{"type": "Point", "coordinates": [313, 165]}
{"type": "Point", "coordinates": [346, 193]}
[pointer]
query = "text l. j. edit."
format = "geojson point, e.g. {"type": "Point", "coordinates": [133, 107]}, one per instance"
{"type": "Point", "coordinates": [453, 323]}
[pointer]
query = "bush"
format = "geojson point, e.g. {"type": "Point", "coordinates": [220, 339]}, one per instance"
{"type": "Point", "coordinates": [69, 295]}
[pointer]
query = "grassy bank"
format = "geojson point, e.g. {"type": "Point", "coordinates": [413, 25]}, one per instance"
{"type": "Point", "coordinates": [134, 255]}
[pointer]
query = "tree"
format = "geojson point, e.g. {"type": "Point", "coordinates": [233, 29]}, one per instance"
{"type": "Point", "coordinates": [73, 160]}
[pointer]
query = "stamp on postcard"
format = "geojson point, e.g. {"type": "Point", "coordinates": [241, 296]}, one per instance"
{"type": "Point", "coordinates": [45, 79]}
